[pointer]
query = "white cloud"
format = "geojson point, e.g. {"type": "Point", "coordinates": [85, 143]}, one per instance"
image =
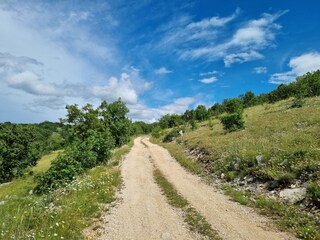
{"type": "Point", "coordinates": [140, 112]}
{"type": "Point", "coordinates": [241, 57]}
{"type": "Point", "coordinates": [162, 71]}
{"type": "Point", "coordinates": [300, 65]}
{"type": "Point", "coordinates": [208, 80]}
{"type": "Point", "coordinates": [279, 78]}
{"type": "Point", "coordinates": [243, 46]}
{"type": "Point", "coordinates": [308, 62]}
{"type": "Point", "coordinates": [260, 70]}
{"type": "Point", "coordinates": [123, 87]}
{"type": "Point", "coordinates": [31, 83]}
{"type": "Point", "coordinates": [208, 73]}
{"type": "Point", "coordinates": [182, 32]}
{"type": "Point", "coordinates": [213, 22]}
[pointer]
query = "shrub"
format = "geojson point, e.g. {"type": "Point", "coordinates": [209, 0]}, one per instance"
{"type": "Point", "coordinates": [194, 125]}
{"type": "Point", "coordinates": [314, 192]}
{"type": "Point", "coordinates": [232, 122]}
{"type": "Point", "coordinates": [297, 102]}
{"type": "Point", "coordinates": [172, 135]}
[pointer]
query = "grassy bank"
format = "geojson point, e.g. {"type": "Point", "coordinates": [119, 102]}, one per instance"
{"type": "Point", "coordinates": [61, 214]}
{"type": "Point", "coordinates": [279, 147]}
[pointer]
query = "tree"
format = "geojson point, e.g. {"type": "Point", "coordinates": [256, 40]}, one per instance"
{"type": "Point", "coordinates": [201, 113]}
{"type": "Point", "coordinates": [232, 105]}
{"type": "Point", "coordinates": [249, 99]}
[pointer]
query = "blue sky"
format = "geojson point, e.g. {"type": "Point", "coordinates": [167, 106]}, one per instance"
{"type": "Point", "coordinates": [159, 56]}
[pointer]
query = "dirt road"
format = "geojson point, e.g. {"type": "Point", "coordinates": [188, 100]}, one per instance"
{"type": "Point", "coordinates": [145, 214]}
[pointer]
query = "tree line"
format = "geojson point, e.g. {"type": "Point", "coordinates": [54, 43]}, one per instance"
{"type": "Point", "coordinates": [307, 85]}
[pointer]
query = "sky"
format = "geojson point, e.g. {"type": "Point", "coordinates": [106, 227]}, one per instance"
{"type": "Point", "coordinates": [159, 56]}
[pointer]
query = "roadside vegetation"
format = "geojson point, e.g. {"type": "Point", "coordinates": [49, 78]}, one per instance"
{"type": "Point", "coordinates": [62, 213]}
{"type": "Point", "coordinates": [195, 221]}
{"type": "Point", "coordinates": [268, 159]}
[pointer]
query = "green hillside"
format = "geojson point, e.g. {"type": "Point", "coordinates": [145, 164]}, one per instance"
{"type": "Point", "coordinates": [278, 149]}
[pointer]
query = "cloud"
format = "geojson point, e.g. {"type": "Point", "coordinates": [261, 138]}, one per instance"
{"type": "Point", "coordinates": [118, 87]}
{"type": "Point", "coordinates": [208, 73]}
{"type": "Point", "coordinates": [208, 80]}
{"type": "Point", "coordinates": [182, 33]}
{"type": "Point", "coordinates": [162, 71]}
{"type": "Point", "coordinates": [31, 83]}
{"type": "Point", "coordinates": [140, 112]}
{"type": "Point", "coordinates": [299, 65]}
{"type": "Point", "coordinates": [260, 70]}
{"type": "Point", "coordinates": [241, 57]}
{"type": "Point", "coordinates": [244, 45]}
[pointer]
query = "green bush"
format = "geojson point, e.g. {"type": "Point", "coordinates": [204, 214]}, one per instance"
{"type": "Point", "coordinates": [297, 102]}
{"type": "Point", "coordinates": [232, 122]}
{"type": "Point", "coordinates": [314, 192]}
{"type": "Point", "coordinates": [172, 135]}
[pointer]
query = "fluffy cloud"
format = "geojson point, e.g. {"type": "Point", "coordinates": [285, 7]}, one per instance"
{"type": "Point", "coordinates": [260, 70]}
{"type": "Point", "coordinates": [300, 65]}
{"type": "Point", "coordinates": [208, 80]}
{"type": "Point", "coordinates": [141, 112]}
{"type": "Point", "coordinates": [162, 71]}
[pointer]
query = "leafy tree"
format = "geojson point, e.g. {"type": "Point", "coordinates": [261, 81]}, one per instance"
{"type": "Point", "coordinates": [201, 113]}
{"type": "Point", "coordinates": [249, 99]}
{"type": "Point", "coordinates": [215, 110]}
{"type": "Point", "coordinates": [232, 105]}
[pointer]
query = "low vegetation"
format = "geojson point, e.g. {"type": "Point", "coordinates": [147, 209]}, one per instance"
{"type": "Point", "coordinates": [195, 221]}
{"type": "Point", "coordinates": [62, 213]}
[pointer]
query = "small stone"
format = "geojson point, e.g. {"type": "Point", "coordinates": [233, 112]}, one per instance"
{"type": "Point", "coordinates": [300, 124]}
{"type": "Point", "coordinates": [259, 159]}
{"type": "Point", "coordinates": [293, 196]}
{"type": "Point", "coordinates": [222, 176]}
{"type": "Point", "coordinates": [165, 235]}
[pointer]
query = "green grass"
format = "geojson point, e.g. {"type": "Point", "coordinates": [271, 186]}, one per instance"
{"type": "Point", "coordinates": [195, 221]}
{"type": "Point", "coordinates": [64, 213]}
{"type": "Point", "coordinates": [177, 152]}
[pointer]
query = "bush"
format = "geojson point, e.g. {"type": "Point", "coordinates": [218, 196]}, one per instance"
{"type": "Point", "coordinates": [314, 193]}
{"type": "Point", "coordinates": [232, 122]}
{"type": "Point", "coordinates": [297, 103]}
{"type": "Point", "coordinates": [172, 135]}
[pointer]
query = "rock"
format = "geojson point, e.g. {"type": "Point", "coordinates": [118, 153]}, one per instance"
{"type": "Point", "coordinates": [2, 203]}
{"type": "Point", "coordinates": [293, 195]}
{"type": "Point", "coordinates": [300, 124]}
{"type": "Point", "coordinates": [259, 160]}
{"type": "Point", "coordinates": [273, 184]}
{"type": "Point", "coordinates": [284, 162]}
{"type": "Point", "coordinates": [249, 179]}
{"type": "Point", "coordinates": [165, 235]}
{"type": "Point", "coordinates": [222, 176]}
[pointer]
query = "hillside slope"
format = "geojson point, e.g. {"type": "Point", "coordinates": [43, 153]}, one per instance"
{"type": "Point", "coordinates": [277, 154]}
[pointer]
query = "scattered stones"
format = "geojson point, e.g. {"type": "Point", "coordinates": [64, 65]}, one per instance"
{"type": "Point", "coordinates": [293, 195]}
{"type": "Point", "coordinates": [165, 235]}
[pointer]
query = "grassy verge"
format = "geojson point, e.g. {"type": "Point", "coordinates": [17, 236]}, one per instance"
{"type": "Point", "coordinates": [289, 218]}
{"type": "Point", "coordinates": [195, 221]}
{"type": "Point", "coordinates": [61, 214]}
{"type": "Point", "coordinates": [177, 152]}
